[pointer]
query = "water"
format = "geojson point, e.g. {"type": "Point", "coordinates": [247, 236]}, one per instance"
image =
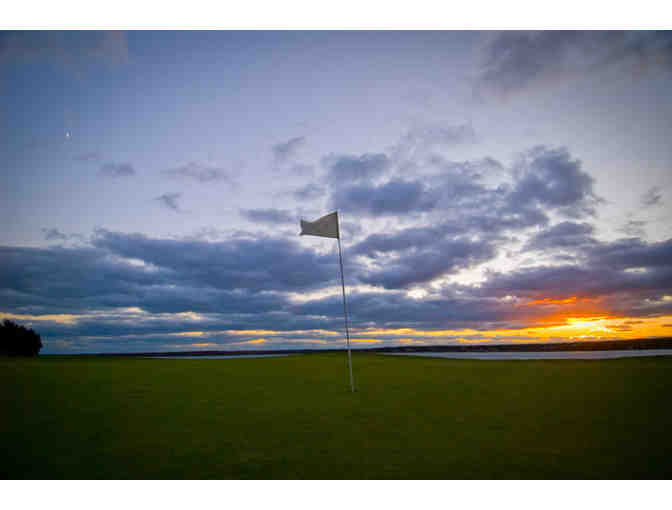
{"type": "Point", "coordinates": [220, 356]}
{"type": "Point", "coordinates": [495, 355]}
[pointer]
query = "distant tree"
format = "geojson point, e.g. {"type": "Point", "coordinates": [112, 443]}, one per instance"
{"type": "Point", "coordinates": [17, 340]}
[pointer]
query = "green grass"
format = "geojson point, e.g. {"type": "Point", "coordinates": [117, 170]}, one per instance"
{"type": "Point", "coordinates": [294, 417]}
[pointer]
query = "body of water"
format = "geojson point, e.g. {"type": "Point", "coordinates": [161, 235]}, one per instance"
{"type": "Point", "coordinates": [221, 356]}
{"type": "Point", "coordinates": [495, 355]}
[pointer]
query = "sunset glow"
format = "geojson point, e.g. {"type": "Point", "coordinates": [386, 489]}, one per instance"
{"type": "Point", "coordinates": [491, 187]}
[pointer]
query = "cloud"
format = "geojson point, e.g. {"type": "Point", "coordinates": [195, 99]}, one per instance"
{"type": "Point", "coordinates": [169, 200]}
{"type": "Point", "coordinates": [628, 277]}
{"type": "Point", "coordinates": [72, 51]}
{"type": "Point", "coordinates": [542, 179]}
{"type": "Point", "coordinates": [198, 172]}
{"type": "Point", "coordinates": [241, 276]}
{"type": "Point", "coordinates": [250, 264]}
{"type": "Point", "coordinates": [632, 253]}
{"type": "Point", "coordinates": [271, 216]}
{"type": "Point", "coordinates": [87, 156]}
{"type": "Point", "coordinates": [423, 139]}
{"type": "Point", "coordinates": [53, 234]}
{"type": "Point", "coordinates": [393, 197]}
{"type": "Point", "coordinates": [421, 265]}
{"type": "Point", "coordinates": [515, 60]}
{"type": "Point", "coordinates": [308, 192]}
{"type": "Point", "coordinates": [405, 239]}
{"type": "Point", "coordinates": [565, 235]}
{"type": "Point", "coordinates": [652, 197]}
{"type": "Point", "coordinates": [117, 170]}
{"type": "Point", "coordinates": [285, 151]}
{"type": "Point", "coordinates": [550, 178]}
{"type": "Point", "coordinates": [633, 228]}
{"type": "Point", "coordinates": [343, 169]}
{"type": "Point", "coordinates": [132, 291]}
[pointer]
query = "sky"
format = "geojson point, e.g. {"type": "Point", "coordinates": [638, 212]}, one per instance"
{"type": "Point", "coordinates": [497, 187]}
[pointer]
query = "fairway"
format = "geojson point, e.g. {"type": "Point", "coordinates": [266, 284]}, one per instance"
{"type": "Point", "coordinates": [294, 417]}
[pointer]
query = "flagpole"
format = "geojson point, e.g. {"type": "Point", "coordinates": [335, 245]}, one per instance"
{"type": "Point", "coordinates": [345, 314]}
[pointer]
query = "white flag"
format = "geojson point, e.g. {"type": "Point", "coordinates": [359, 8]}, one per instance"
{"type": "Point", "coordinates": [326, 226]}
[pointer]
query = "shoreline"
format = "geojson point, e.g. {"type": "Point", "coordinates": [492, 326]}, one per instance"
{"type": "Point", "coordinates": [600, 345]}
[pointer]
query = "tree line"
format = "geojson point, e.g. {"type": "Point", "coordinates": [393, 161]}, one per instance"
{"type": "Point", "coordinates": [17, 340]}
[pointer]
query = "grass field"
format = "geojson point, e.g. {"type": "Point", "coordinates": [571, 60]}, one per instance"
{"type": "Point", "coordinates": [294, 417]}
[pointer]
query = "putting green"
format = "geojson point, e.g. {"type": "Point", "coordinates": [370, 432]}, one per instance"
{"type": "Point", "coordinates": [294, 417]}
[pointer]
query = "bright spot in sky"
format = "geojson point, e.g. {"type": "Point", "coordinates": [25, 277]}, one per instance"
{"type": "Point", "coordinates": [67, 134]}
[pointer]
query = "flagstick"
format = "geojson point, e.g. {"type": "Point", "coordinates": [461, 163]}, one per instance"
{"type": "Point", "coordinates": [345, 314]}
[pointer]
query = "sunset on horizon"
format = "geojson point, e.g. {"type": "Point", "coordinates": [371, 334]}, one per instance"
{"type": "Point", "coordinates": [394, 255]}
{"type": "Point", "coordinates": [492, 187]}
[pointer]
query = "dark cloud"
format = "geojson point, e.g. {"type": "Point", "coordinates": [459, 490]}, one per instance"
{"type": "Point", "coordinates": [550, 178]}
{"type": "Point", "coordinates": [566, 235]}
{"type": "Point", "coordinates": [271, 216]}
{"type": "Point", "coordinates": [170, 200]}
{"type": "Point", "coordinates": [393, 197]}
{"type": "Point", "coordinates": [198, 172]}
{"type": "Point", "coordinates": [251, 264]}
{"type": "Point", "coordinates": [344, 169]}
{"type": "Point", "coordinates": [55, 280]}
{"type": "Point", "coordinates": [628, 277]}
{"type": "Point", "coordinates": [285, 151]}
{"type": "Point", "coordinates": [53, 234]}
{"type": "Point", "coordinates": [405, 239]}
{"type": "Point", "coordinates": [117, 170]}
{"type": "Point", "coordinates": [417, 266]}
{"type": "Point", "coordinates": [544, 179]}
{"type": "Point", "coordinates": [652, 197]}
{"type": "Point", "coordinates": [161, 276]}
{"type": "Point", "coordinates": [632, 253]}
{"type": "Point", "coordinates": [515, 60]}
{"type": "Point", "coordinates": [146, 288]}
{"type": "Point", "coordinates": [400, 311]}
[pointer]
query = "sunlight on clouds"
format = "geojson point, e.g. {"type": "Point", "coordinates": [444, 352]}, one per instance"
{"type": "Point", "coordinates": [303, 297]}
{"type": "Point", "coordinates": [249, 342]}
{"type": "Point", "coordinates": [190, 315]}
{"type": "Point", "coordinates": [417, 293]}
{"type": "Point", "coordinates": [189, 333]}
{"type": "Point", "coordinates": [252, 332]}
{"type": "Point", "coordinates": [132, 309]}
{"type": "Point", "coordinates": [58, 318]}
{"type": "Point", "coordinates": [323, 332]}
{"type": "Point", "coordinates": [550, 301]}
{"type": "Point", "coordinates": [599, 327]}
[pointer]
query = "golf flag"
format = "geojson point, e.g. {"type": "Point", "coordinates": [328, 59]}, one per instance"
{"type": "Point", "coordinates": [326, 226]}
